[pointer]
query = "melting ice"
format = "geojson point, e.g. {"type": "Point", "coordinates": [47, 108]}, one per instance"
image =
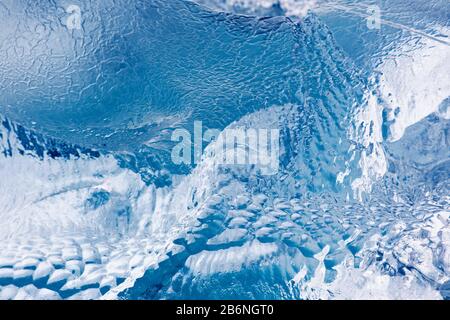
{"type": "Point", "coordinates": [92, 207]}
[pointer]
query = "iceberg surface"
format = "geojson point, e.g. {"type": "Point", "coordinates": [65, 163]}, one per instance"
{"type": "Point", "coordinates": [93, 207]}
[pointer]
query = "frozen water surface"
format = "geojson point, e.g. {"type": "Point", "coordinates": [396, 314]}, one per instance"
{"type": "Point", "coordinates": [92, 207]}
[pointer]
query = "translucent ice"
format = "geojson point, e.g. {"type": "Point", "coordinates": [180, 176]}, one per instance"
{"type": "Point", "coordinates": [358, 208]}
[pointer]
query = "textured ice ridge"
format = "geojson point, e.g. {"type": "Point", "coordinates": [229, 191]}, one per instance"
{"type": "Point", "coordinates": [185, 241]}
{"type": "Point", "coordinates": [263, 245]}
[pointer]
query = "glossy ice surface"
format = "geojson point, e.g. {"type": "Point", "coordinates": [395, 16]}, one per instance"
{"type": "Point", "coordinates": [93, 207]}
